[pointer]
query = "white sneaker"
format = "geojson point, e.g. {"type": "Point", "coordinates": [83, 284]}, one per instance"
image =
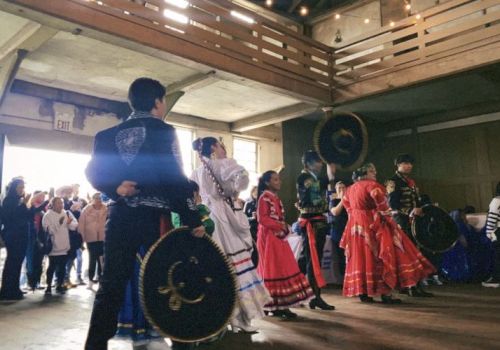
{"type": "Point", "coordinates": [436, 280]}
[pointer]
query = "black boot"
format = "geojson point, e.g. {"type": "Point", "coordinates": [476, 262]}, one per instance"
{"type": "Point", "coordinates": [388, 299]}
{"type": "Point", "coordinates": [320, 304]}
{"type": "Point", "coordinates": [365, 298]}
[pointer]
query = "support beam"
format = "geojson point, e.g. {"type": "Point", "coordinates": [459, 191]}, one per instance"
{"type": "Point", "coordinates": [294, 5]}
{"type": "Point", "coordinates": [121, 109]}
{"type": "Point", "coordinates": [2, 152]}
{"type": "Point", "coordinates": [189, 121]}
{"type": "Point", "coordinates": [273, 117]}
{"type": "Point", "coordinates": [29, 38]}
{"type": "Point", "coordinates": [193, 82]}
{"type": "Point", "coordinates": [9, 70]}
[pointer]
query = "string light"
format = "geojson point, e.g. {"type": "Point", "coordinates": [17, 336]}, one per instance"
{"type": "Point", "coordinates": [304, 11]}
{"type": "Point", "coordinates": [337, 16]}
{"type": "Point", "coordinates": [367, 20]}
{"type": "Point", "coordinates": [392, 24]}
{"type": "Point", "coordinates": [269, 3]}
{"type": "Point", "coordinates": [407, 6]}
{"type": "Point", "coordinates": [418, 16]}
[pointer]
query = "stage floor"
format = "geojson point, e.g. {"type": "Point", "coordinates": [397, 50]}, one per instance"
{"type": "Point", "coordinates": [459, 317]}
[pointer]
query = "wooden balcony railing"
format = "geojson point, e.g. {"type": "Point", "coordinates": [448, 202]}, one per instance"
{"type": "Point", "coordinates": [229, 37]}
{"type": "Point", "coordinates": [439, 32]}
{"type": "Point", "coordinates": [215, 25]}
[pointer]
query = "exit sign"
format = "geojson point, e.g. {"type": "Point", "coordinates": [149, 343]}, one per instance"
{"type": "Point", "coordinates": [63, 122]}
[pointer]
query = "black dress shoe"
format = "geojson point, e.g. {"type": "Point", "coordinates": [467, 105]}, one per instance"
{"type": "Point", "coordinates": [423, 293]}
{"type": "Point", "coordinates": [365, 298]}
{"type": "Point", "coordinates": [419, 293]}
{"type": "Point", "coordinates": [320, 304]}
{"type": "Point", "coordinates": [285, 314]}
{"type": "Point", "coordinates": [388, 299]}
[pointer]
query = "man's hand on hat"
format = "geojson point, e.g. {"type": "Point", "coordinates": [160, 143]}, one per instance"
{"type": "Point", "coordinates": [127, 189]}
{"type": "Point", "coordinates": [199, 231]}
{"type": "Point", "coordinates": [417, 212]}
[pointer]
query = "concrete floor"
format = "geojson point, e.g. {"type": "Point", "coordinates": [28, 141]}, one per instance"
{"type": "Point", "coordinates": [459, 317]}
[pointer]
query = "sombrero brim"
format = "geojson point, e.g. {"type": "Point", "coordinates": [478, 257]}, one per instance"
{"type": "Point", "coordinates": [187, 287]}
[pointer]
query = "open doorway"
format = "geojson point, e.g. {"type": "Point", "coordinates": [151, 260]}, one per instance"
{"type": "Point", "coordinates": [43, 169]}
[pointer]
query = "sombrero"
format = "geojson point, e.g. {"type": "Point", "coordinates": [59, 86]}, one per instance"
{"type": "Point", "coordinates": [187, 287]}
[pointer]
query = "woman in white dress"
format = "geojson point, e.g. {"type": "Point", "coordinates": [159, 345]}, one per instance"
{"type": "Point", "coordinates": [220, 180]}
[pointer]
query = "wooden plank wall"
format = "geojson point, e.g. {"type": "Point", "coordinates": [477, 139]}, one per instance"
{"type": "Point", "coordinates": [455, 167]}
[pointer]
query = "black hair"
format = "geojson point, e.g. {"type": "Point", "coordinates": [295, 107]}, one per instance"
{"type": "Point", "coordinates": [12, 187]}
{"type": "Point", "coordinates": [194, 186]}
{"type": "Point", "coordinates": [404, 158]}
{"type": "Point", "coordinates": [361, 171]}
{"type": "Point", "coordinates": [143, 93]}
{"type": "Point", "coordinates": [309, 157]}
{"type": "Point", "coordinates": [425, 199]}
{"type": "Point", "coordinates": [469, 209]}
{"type": "Point", "coordinates": [204, 145]}
{"type": "Point", "coordinates": [266, 177]}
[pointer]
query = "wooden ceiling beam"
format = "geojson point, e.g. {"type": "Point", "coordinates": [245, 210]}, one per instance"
{"type": "Point", "coordinates": [276, 116]}
{"type": "Point", "coordinates": [193, 82]}
{"type": "Point", "coordinates": [294, 5]}
{"type": "Point", "coordinates": [8, 71]}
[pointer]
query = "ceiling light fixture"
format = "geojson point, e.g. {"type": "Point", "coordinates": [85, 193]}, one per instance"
{"type": "Point", "coordinates": [175, 16]}
{"type": "Point", "coordinates": [304, 11]}
{"type": "Point", "coordinates": [243, 17]}
{"type": "Point", "coordinates": [179, 3]}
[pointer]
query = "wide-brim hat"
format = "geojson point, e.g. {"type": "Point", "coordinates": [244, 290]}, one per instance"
{"type": "Point", "coordinates": [434, 231]}
{"type": "Point", "coordinates": [187, 287]}
{"type": "Point", "coordinates": [341, 138]}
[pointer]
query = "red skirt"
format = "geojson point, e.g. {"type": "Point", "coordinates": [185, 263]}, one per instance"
{"type": "Point", "coordinates": [380, 258]}
{"type": "Point", "coordinates": [287, 286]}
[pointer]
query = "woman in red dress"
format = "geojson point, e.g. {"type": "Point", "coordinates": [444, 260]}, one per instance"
{"type": "Point", "coordinates": [277, 265]}
{"type": "Point", "coordinates": [380, 257]}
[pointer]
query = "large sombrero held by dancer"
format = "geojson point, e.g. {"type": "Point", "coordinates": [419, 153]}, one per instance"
{"type": "Point", "coordinates": [435, 231]}
{"type": "Point", "coordinates": [341, 138]}
{"type": "Point", "coordinates": [187, 287]}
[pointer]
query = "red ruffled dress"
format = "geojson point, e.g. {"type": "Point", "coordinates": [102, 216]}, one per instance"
{"type": "Point", "coordinates": [277, 265]}
{"type": "Point", "coordinates": [380, 257]}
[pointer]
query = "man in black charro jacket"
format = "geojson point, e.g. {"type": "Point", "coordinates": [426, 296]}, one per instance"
{"type": "Point", "coordinates": [136, 164]}
{"type": "Point", "coordinates": [404, 200]}
{"type": "Point", "coordinates": [313, 205]}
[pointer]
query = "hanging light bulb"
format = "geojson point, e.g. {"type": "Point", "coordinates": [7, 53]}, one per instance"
{"type": "Point", "coordinates": [269, 3]}
{"type": "Point", "coordinates": [408, 6]}
{"type": "Point", "coordinates": [367, 20]}
{"type": "Point", "coordinates": [337, 16]}
{"type": "Point", "coordinates": [418, 16]}
{"type": "Point", "coordinates": [304, 11]}
{"type": "Point", "coordinates": [392, 24]}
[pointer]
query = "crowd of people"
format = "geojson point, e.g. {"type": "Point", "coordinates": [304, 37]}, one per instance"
{"type": "Point", "coordinates": [137, 168]}
{"type": "Point", "coordinates": [46, 232]}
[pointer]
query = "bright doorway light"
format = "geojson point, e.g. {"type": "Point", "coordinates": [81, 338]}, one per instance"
{"type": "Point", "coordinates": [43, 169]}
